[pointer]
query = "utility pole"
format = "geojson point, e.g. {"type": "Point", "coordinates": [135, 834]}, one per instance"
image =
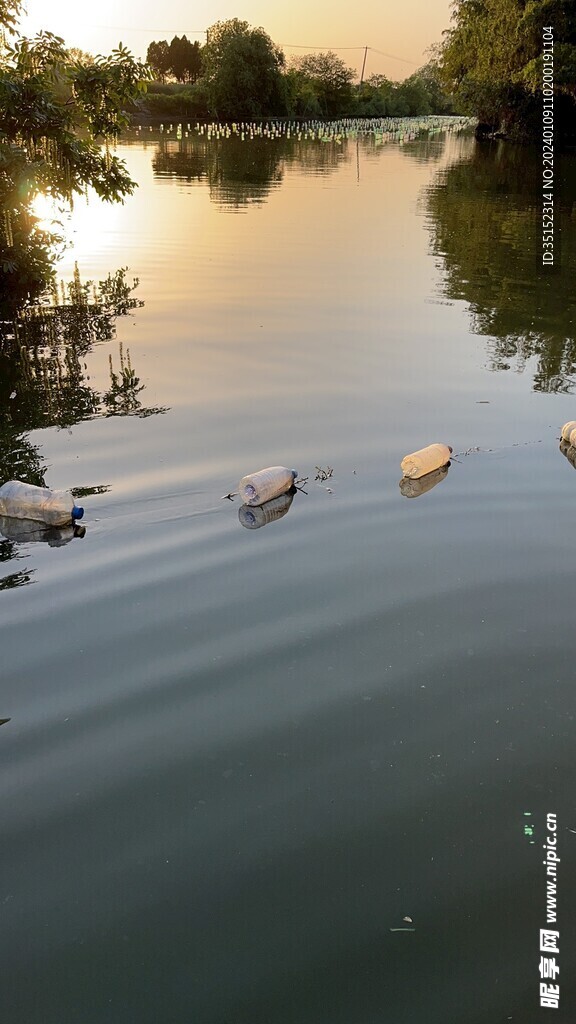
{"type": "Point", "coordinates": [363, 65]}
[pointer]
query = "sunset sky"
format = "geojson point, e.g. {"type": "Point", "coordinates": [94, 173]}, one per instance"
{"type": "Point", "coordinates": [399, 30]}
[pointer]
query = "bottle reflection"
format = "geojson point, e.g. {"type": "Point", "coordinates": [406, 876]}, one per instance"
{"type": "Point", "coordinates": [26, 531]}
{"type": "Point", "coordinates": [414, 488]}
{"type": "Point", "coordinates": [253, 517]}
{"type": "Point", "coordinates": [569, 451]}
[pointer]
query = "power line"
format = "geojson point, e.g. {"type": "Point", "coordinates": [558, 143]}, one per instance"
{"type": "Point", "coordinates": [300, 46]}
{"type": "Point", "coordinates": [289, 46]}
{"type": "Point", "coordinates": [161, 31]}
{"type": "Point", "coordinates": [372, 49]}
{"type": "Point", "coordinates": [391, 55]}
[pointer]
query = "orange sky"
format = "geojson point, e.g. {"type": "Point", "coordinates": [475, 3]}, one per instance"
{"type": "Point", "coordinates": [399, 30]}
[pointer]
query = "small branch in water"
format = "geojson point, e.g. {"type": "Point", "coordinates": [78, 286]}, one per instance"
{"type": "Point", "coordinates": [230, 496]}
{"type": "Point", "coordinates": [475, 449]}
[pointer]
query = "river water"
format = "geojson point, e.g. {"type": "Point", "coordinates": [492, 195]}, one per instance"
{"type": "Point", "coordinates": [307, 773]}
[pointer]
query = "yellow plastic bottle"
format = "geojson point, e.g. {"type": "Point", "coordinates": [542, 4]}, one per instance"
{"type": "Point", "coordinates": [426, 460]}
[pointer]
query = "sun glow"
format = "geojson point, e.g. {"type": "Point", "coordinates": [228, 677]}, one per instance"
{"type": "Point", "coordinates": [47, 211]}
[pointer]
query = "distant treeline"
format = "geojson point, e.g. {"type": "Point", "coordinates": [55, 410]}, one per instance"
{"type": "Point", "coordinates": [491, 64]}
{"type": "Point", "coordinates": [240, 73]}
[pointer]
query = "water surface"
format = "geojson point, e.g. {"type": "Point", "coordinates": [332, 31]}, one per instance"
{"type": "Point", "coordinates": [237, 759]}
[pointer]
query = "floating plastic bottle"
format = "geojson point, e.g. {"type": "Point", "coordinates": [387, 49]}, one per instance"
{"type": "Point", "coordinates": [413, 488]}
{"type": "Point", "coordinates": [257, 488]}
{"type": "Point", "coordinates": [26, 501]}
{"type": "Point", "coordinates": [567, 430]}
{"type": "Point", "coordinates": [253, 517]}
{"type": "Point", "coordinates": [425, 460]}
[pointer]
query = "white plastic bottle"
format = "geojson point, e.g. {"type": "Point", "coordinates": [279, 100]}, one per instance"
{"type": "Point", "coordinates": [256, 488]}
{"type": "Point", "coordinates": [26, 501]}
{"type": "Point", "coordinates": [567, 430]}
{"type": "Point", "coordinates": [425, 460]}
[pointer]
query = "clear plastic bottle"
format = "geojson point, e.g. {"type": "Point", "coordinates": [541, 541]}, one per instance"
{"type": "Point", "coordinates": [26, 501]}
{"type": "Point", "coordinates": [256, 488]}
{"type": "Point", "coordinates": [425, 460]}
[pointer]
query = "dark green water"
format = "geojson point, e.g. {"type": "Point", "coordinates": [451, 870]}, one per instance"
{"type": "Point", "coordinates": [238, 759]}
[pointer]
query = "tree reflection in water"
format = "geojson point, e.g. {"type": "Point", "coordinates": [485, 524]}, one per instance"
{"type": "Point", "coordinates": [485, 218]}
{"type": "Point", "coordinates": [241, 174]}
{"type": "Point", "coordinates": [44, 382]}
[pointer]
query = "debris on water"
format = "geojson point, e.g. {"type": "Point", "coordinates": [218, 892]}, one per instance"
{"type": "Point", "coordinates": [407, 919]}
{"type": "Point", "coordinates": [231, 495]}
{"type": "Point", "coordinates": [402, 929]}
{"type": "Point", "coordinates": [323, 474]}
{"type": "Point", "coordinates": [4, 720]}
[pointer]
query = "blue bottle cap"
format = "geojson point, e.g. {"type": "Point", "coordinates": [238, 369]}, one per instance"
{"type": "Point", "coordinates": [77, 512]}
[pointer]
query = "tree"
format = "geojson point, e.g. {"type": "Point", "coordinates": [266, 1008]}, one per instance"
{"type": "Point", "coordinates": [243, 71]}
{"type": "Point", "coordinates": [331, 81]}
{"type": "Point", "coordinates": [430, 75]}
{"type": "Point", "coordinates": [492, 58]}
{"type": "Point", "coordinates": [413, 95]}
{"type": "Point", "coordinates": [185, 59]}
{"type": "Point", "coordinates": [57, 118]}
{"type": "Point", "coordinates": [159, 60]}
{"type": "Point", "coordinates": [372, 97]}
{"type": "Point", "coordinates": [179, 59]}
